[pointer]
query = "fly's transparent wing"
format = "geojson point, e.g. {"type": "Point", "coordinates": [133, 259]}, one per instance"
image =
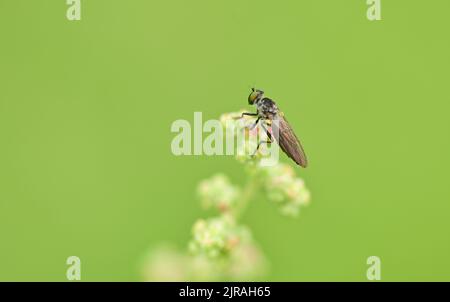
{"type": "Point", "coordinates": [288, 141]}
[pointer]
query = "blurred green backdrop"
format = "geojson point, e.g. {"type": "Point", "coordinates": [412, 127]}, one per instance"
{"type": "Point", "coordinates": [86, 109]}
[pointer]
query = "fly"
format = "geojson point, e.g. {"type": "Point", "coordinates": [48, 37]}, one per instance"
{"type": "Point", "coordinates": [268, 112]}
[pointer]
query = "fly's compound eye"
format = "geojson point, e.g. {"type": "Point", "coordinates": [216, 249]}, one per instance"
{"type": "Point", "coordinates": [252, 97]}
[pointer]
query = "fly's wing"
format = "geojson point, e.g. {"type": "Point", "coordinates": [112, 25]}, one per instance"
{"type": "Point", "coordinates": [288, 141]}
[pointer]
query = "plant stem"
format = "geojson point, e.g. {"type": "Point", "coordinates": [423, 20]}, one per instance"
{"type": "Point", "coordinates": [247, 195]}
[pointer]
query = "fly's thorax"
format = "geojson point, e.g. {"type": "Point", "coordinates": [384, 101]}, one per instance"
{"type": "Point", "coordinates": [266, 108]}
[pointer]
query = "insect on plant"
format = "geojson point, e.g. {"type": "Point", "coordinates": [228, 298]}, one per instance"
{"type": "Point", "coordinates": [268, 112]}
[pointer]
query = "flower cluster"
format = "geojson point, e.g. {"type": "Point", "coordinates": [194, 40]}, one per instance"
{"type": "Point", "coordinates": [218, 192]}
{"type": "Point", "coordinates": [284, 188]}
{"type": "Point", "coordinates": [221, 248]}
{"type": "Point", "coordinates": [218, 236]}
{"type": "Point", "coordinates": [167, 263]}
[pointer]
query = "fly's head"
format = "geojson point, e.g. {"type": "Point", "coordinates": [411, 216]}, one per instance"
{"type": "Point", "coordinates": [255, 96]}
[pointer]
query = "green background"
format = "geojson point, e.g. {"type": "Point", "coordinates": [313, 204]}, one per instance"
{"type": "Point", "coordinates": [86, 108]}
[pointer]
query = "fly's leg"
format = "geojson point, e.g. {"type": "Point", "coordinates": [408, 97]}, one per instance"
{"type": "Point", "coordinates": [269, 141]}
{"type": "Point", "coordinates": [259, 145]}
{"type": "Point", "coordinates": [245, 113]}
{"type": "Point", "coordinates": [249, 114]}
{"type": "Point", "coordinates": [269, 135]}
{"type": "Point", "coordinates": [254, 125]}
